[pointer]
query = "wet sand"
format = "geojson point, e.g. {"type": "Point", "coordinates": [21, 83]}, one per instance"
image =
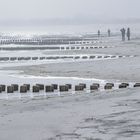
{"type": "Point", "coordinates": [123, 69]}
{"type": "Point", "coordinates": [110, 115]}
{"type": "Point", "coordinates": [104, 116]}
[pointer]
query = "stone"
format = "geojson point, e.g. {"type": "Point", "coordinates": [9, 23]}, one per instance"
{"type": "Point", "coordinates": [127, 84]}
{"type": "Point", "coordinates": [94, 87]}
{"type": "Point", "coordinates": [0, 89]}
{"type": "Point", "coordinates": [15, 87]}
{"type": "Point", "coordinates": [55, 86]}
{"type": "Point", "coordinates": [108, 86]}
{"type": "Point", "coordinates": [99, 56]}
{"type": "Point", "coordinates": [77, 57]}
{"type": "Point", "coordinates": [42, 58]}
{"type": "Point", "coordinates": [69, 86]}
{"type": "Point", "coordinates": [122, 86]}
{"type": "Point", "coordinates": [84, 57]}
{"type": "Point", "coordinates": [10, 89]}
{"type": "Point", "coordinates": [137, 85]}
{"type": "Point", "coordinates": [23, 89]}
{"type": "Point", "coordinates": [28, 86]}
{"type": "Point", "coordinates": [35, 88]}
{"type": "Point", "coordinates": [63, 88]}
{"type": "Point", "coordinates": [34, 58]}
{"type": "Point", "coordinates": [41, 86]}
{"type": "Point", "coordinates": [79, 87]}
{"type": "Point", "coordinates": [112, 84]}
{"type": "Point", "coordinates": [49, 88]}
{"type": "Point", "coordinates": [96, 84]}
{"type": "Point", "coordinates": [13, 58]}
{"type": "Point", "coordinates": [82, 84]}
{"type": "Point", "coordinates": [3, 87]}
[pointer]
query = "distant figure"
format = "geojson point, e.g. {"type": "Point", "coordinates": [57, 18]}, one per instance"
{"type": "Point", "coordinates": [99, 33]}
{"type": "Point", "coordinates": [128, 33]}
{"type": "Point", "coordinates": [123, 34]}
{"type": "Point", "coordinates": [109, 32]}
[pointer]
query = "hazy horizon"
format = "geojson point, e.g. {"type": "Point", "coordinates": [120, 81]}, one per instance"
{"type": "Point", "coordinates": [46, 12]}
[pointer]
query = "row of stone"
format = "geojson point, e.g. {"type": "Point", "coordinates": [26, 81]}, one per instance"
{"type": "Point", "coordinates": [85, 47]}
{"type": "Point", "coordinates": [48, 41]}
{"type": "Point", "coordinates": [55, 57]}
{"type": "Point", "coordinates": [62, 88]}
{"type": "Point", "coordinates": [55, 48]}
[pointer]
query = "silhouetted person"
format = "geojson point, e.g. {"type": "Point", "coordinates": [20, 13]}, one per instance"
{"type": "Point", "coordinates": [128, 33]}
{"type": "Point", "coordinates": [109, 32]}
{"type": "Point", "coordinates": [99, 33]}
{"type": "Point", "coordinates": [123, 34]}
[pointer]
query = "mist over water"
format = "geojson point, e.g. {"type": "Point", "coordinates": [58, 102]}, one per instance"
{"type": "Point", "coordinates": [71, 29]}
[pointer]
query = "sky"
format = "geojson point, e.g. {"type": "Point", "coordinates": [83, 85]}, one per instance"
{"type": "Point", "coordinates": [35, 10]}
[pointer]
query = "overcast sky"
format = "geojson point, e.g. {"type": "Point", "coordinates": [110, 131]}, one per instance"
{"type": "Point", "coordinates": [46, 9]}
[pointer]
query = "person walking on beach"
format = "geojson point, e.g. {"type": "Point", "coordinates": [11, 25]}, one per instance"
{"type": "Point", "coordinates": [109, 32]}
{"type": "Point", "coordinates": [123, 34]}
{"type": "Point", "coordinates": [99, 33]}
{"type": "Point", "coordinates": [128, 33]}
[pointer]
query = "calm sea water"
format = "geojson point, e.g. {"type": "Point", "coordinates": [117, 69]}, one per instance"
{"type": "Point", "coordinates": [71, 29]}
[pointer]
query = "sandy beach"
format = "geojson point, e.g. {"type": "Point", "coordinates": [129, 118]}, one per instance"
{"type": "Point", "coordinates": [69, 69]}
{"type": "Point", "coordinates": [101, 115]}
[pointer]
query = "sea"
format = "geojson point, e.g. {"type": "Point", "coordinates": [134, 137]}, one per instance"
{"type": "Point", "coordinates": [75, 29]}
